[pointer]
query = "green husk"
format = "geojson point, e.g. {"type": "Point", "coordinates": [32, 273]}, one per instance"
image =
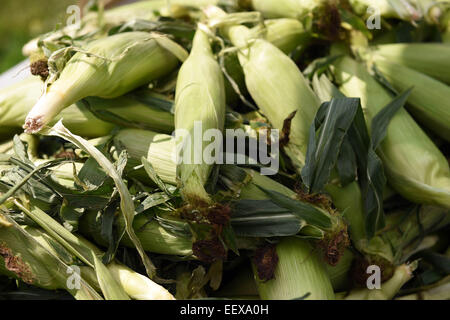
{"type": "Point", "coordinates": [25, 258]}
{"type": "Point", "coordinates": [279, 89]}
{"type": "Point", "coordinates": [428, 58]}
{"type": "Point", "coordinates": [340, 273]}
{"type": "Point", "coordinates": [414, 166]}
{"type": "Point", "coordinates": [154, 238]}
{"type": "Point", "coordinates": [90, 22]}
{"type": "Point", "coordinates": [17, 100]}
{"type": "Point", "coordinates": [263, 64]}
{"type": "Point", "coordinates": [298, 272]}
{"type": "Point", "coordinates": [158, 149]}
{"type": "Point", "coordinates": [428, 100]}
{"type": "Point", "coordinates": [286, 34]}
{"type": "Point", "coordinates": [200, 98]}
{"type": "Point", "coordinates": [113, 66]}
{"type": "Point", "coordinates": [65, 245]}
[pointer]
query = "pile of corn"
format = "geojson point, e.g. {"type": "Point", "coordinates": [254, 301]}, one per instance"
{"type": "Point", "coordinates": [100, 199]}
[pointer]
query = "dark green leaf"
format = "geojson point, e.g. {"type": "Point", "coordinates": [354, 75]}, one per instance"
{"type": "Point", "coordinates": [154, 176]}
{"type": "Point", "coordinates": [332, 122]}
{"type": "Point", "coordinates": [346, 163]}
{"type": "Point", "coordinates": [381, 121]}
{"type": "Point", "coordinates": [304, 211]}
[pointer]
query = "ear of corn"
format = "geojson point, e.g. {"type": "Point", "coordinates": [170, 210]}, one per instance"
{"type": "Point", "coordinates": [23, 256]}
{"type": "Point", "coordinates": [428, 58]}
{"type": "Point", "coordinates": [286, 34]}
{"type": "Point", "coordinates": [414, 166]}
{"type": "Point", "coordinates": [111, 67]}
{"type": "Point", "coordinates": [263, 64]}
{"type": "Point", "coordinates": [158, 149]}
{"type": "Point", "coordinates": [299, 272]}
{"type": "Point", "coordinates": [153, 236]}
{"type": "Point", "coordinates": [279, 89]}
{"type": "Point", "coordinates": [16, 101]}
{"type": "Point", "coordinates": [428, 100]}
{"type": "Point", "coordinates": [200, 98]}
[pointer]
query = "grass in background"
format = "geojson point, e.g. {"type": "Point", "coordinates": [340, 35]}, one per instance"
{"type": "Point", "coordinates": [22, 20]}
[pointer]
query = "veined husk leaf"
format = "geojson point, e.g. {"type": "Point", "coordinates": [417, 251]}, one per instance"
{"type": "Point", "coordinates": [135, 285]}
{"type": "Point", "coordinates": [200, 99]}
{"type": "Point", "coordinates": [126, 202]}
{"type": "Point", "coordinates": [17, 100]}
{"type": "Point", "coordinates": [274, 80]}
{"type": "Point", "coordinates": [428, 100]}
{"type": "Point", "coordinates": [414, 166]}
{"type": "Point", "coordinates": [299, 272]}
{"type": "Point", "coordinates": [159, 150]}
{"type": "Point", "coordinates": [428, 58]}
{"type": "Point", "coordinates": [153, 236]}
{"type": "Point", "coordinates": [35, 264]}
{"type": "Point", "coordinates": [286, 34]}
{"type": "Point", "coordinates": [93, 117]}
{"type": "Point", "coordinates": [109, 68]}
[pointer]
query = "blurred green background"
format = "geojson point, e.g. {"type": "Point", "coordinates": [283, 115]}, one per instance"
{"type": "Point", "coordinates": [22, 20]}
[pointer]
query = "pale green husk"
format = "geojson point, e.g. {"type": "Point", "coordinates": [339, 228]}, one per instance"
{"type": "Point", "coordinates": [414, 166]}
{"type": "Point", "coordinates": [154, 238]}
{"type": "Point", "coordinates": [298, 272]}
{"type": "Point", "coordinates": [428, 58]}
{"type": "Point", "coordinates": [428, 101]}
{"type": "Point", "coordinates": [200, 97]}
{"type": "Point", "coordinates": [17, 100]}
{"type": "Point", "coordinates": [115, 66]}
